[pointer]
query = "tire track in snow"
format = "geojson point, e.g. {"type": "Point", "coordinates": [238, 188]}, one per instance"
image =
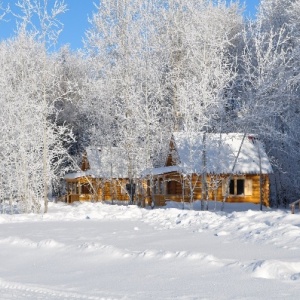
{"type": "Point", "coordinates": [12, 290]}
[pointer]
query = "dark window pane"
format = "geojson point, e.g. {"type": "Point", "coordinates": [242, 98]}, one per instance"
{"type": "Point", "coordinates": [171, 187]}
{"type": "Point", "coordinates": [85, 189]}
{"type": "Point", "coordinates": [240, 186]}
{"type": "Point", "coordinates": [231, 187]}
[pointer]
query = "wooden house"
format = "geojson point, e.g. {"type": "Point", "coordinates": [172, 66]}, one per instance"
{"type": "Point", "coordinates": [104, 176]}
{"type": "Point", "coordinates": [209, 160]}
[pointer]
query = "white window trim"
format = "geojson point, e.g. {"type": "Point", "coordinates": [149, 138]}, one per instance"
{"type": "Point", "coordinates": [247, 186]}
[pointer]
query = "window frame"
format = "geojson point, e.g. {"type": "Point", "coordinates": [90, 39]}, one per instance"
{"type": "Point", "coordinates": [235, 187]}
{"type": "Point", "coordinates": [248, 186]}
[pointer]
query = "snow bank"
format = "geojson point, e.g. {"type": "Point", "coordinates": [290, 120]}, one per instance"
{"type": "Point", "coordinates": [101, 251]}
{"type": "Point", "coordinates": [273, 269]}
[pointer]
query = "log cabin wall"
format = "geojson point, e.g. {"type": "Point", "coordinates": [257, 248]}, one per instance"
{"type": "Point", "coordinates": [250, 196]}
{"type": "Point", "coordinates": [91, 189]}
{"type": "Point", "coordinates": [172, 186]}
{"type": "Point", "coordinates": [243, 188]}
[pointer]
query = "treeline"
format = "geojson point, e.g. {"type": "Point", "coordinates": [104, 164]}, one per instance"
{"type": "Point", "coordinates": [148, 68]}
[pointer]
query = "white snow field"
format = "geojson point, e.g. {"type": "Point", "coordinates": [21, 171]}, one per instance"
{"type": "Point", "coordinates": [102, 251]}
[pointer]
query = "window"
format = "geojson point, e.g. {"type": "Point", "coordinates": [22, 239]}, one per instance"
{"type": "Point", "coordinates": [238, 187]}
{"type": "Point", "coordinates": [158, 187]}
{"type": "Point", "coordinates": [231, 187]}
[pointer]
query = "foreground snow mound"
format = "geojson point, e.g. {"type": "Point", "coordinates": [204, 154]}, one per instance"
{"type": "Point", "coordinates": [274, 269]}
{"type": "Point", "coordinates": [101, 251]}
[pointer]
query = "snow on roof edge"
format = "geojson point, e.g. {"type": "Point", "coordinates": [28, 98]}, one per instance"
{"type": "Point", "coordinates": [221, 149]}
{"type": "Point", "coordinates": [161, 170]}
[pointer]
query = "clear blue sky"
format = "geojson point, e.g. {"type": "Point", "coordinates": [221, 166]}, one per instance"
{"type": "Point", "coordinates": [75, 20]}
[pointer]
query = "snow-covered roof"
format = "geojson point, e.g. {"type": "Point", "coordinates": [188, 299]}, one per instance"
{"type": "Point", "coordinates": [161, 170]}
{"type": "Point", "coordinates": [221, 151]}
{"type": "Point", "coordinates": [112, 162]}
{"type": "Point", "coordinates": [76, 175]}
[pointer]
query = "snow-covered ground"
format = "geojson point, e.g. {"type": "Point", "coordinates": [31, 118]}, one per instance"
{"type": "Point", "coordinates": [101, 251]}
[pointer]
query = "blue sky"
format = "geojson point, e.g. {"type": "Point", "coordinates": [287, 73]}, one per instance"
{"type": "Point", "coordinates": [75, 20]}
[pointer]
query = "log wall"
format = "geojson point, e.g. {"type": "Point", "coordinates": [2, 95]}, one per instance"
{"type": "Point", "coordinates": [91, 189]}
{"type": "Point", "coordinates": [162, 188]}
{"type": "Point", "coordinates": [189, 188]}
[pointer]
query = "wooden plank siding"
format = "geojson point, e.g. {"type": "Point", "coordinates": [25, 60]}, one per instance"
{"type": "Point", "coordinates": [167, 187]}
{"type": "Point", "coordinates": [168, 182]}
{"type": "Point", "coordinates": [91, 189]}
{"type": "Point", "coordinates": [177, 188]}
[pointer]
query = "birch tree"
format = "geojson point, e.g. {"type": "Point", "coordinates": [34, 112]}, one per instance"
{"type": "Point", "coordinates": [198, 39]}
{"type": "Point", "coordinates": [38, 150]}
{"type": "Point", "coordinates": [122, 44]}
{"type": "Point", "coordinates": [46, 31]}
{"type": "Point", "coordinates": [268, 92]}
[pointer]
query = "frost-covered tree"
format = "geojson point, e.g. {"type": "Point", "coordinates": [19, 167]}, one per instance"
{"type": "Point", "coordinates": [268, 92]}
{"type": "Point", "coordinates": [36, 146]}
{"type": "Point", "coordinates": [122, 45]}
{"type": "Point", "coordinates": [26, 127]}
{"type": "Point", "coordinates": [75, 89]}
{"type": "Point", "coordinates": [150, 68]}
{"type": "Point", "coordinates": [198, 38]}
{"type": "Point", "coordinates": [197, 45]}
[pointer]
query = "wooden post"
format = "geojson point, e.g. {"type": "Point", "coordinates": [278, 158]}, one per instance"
{"type": "Point", "coordinates": [293, 208]}
{"type": "Point", "coordinates": [79, 188]}
{"type": "Point", "coordinates": [293, 205]}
